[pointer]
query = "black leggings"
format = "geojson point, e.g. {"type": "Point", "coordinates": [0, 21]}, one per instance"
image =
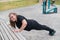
{"type": "Point", "coordinates": [36, 26]}
{"type": "Point", "coordinates": [44, 27]}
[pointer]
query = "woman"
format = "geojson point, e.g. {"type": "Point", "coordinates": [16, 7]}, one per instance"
{"type": "Point", "coordinates": [27, 24]}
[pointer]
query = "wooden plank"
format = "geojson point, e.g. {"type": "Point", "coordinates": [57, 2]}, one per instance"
{"type": "Point", "coordinates": [1, 36]}
{"type": "Point", "coordinates": [11, 35]}
{"type": "Point", "coordinates": [4, 33]}
{"type": "Point", "coordinates": [18, 35]}
{"type": "Point", "coordinates": [8, 33]}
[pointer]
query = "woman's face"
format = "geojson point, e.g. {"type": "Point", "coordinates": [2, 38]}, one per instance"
{"type": "Point", "coordinates": [13, 17]}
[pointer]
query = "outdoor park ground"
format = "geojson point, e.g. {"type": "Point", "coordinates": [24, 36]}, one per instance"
{"type": "Point", "coordinates": [35, 12]}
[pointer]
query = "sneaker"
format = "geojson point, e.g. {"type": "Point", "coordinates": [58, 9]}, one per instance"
{"type": "Point", "coordinates": [52, 33]}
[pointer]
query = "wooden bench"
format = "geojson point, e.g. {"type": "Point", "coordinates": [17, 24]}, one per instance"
{"type": "Point", "coordinates": [6, 32]}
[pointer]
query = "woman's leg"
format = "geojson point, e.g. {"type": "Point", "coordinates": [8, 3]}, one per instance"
{"type": "Point", "coordinates": [38, 26]}
{"type": "Point", "coordinates": [44, 27]}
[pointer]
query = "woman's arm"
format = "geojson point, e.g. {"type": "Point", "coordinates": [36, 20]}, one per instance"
{"type": "Point", "coordinates": [24, 24]}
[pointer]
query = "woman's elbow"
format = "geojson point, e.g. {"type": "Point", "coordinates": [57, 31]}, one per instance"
{"type": "Point", "coordinates": [25, 23]}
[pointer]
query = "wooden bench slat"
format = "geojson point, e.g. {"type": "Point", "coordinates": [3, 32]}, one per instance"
{"type": "Point", "coordinates": [4, 34]}
{"type": "Point", "coordinates": [17, 35]}
{"type": "Point", "coordinates": [7, 32]}
{"type": "Point", "coordinates": [1, 35]}
{"type": "Point", "coordinates": [11, 33]}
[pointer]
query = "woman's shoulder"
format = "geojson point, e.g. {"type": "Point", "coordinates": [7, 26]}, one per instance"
{"type": "Point", "coordinates": [21, 17]}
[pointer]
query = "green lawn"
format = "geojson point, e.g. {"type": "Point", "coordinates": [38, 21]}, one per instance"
{"type": "Point", "coordinates": [57, 2]}
{"type": "Point", "coordinates": [15, 4]}
{"type": "Point", "coordinates": [19, 3]}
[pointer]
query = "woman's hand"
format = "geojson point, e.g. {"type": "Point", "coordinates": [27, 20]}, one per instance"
{"type": "Point", "coordinates": [17, 30]}
{"type": "Point", "coordinates": [24, 24]}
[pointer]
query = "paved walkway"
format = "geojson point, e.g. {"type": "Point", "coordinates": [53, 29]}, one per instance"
{"type": "Point", "coordinates": [35, 12]}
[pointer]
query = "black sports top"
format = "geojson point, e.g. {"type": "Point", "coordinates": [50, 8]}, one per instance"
{"type": "Point", "coordinates": [30, 23]}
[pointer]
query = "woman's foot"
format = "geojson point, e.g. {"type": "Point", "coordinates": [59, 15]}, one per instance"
{"type": "Point", "coordinates": [51, 33]}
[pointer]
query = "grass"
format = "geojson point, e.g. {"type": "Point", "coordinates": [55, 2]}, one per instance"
{"type": "Point", "coordinates": [19, 3]}
{"type": "Point", "coordinates": [57, 2]}
{"type": "Point", "coordinates": [16, 4]}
